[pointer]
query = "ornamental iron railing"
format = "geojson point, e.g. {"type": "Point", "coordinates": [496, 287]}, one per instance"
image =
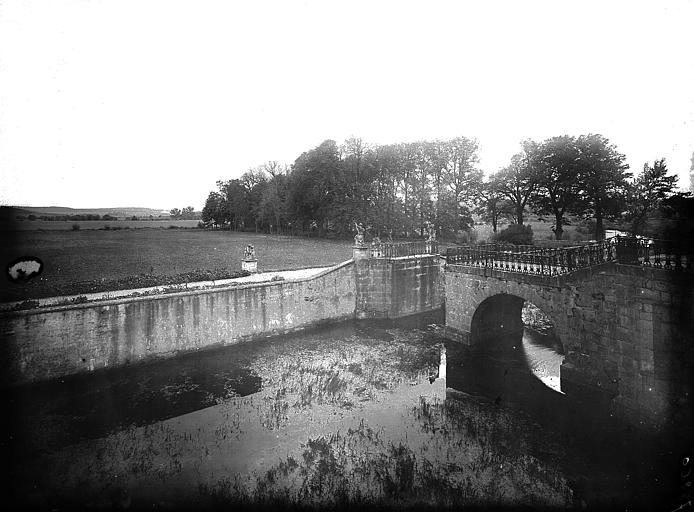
{"type": "Point", "coordinates": [652, 252]}
{"type": "Point", "coordinates": [529, 259]}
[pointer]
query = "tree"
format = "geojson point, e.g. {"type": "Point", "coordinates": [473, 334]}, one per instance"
{"type": "Point", "coordinates": [214, 211]}
{"type": "Point", "coordinates": [175, 213]}
{"type": "Point", "coordinates": [315, 184]}
{"type": "Point", "coordinates": [273, 198]}
{"type": "Point", "coordinates": [492, 205]}
{"type": "Point", "coordinates": [678, 209]}
{"type": "Point", "coordinates": [235, 202]}
{"type": "Point", "coordinates": [647, 193]}
{"type": "Point", "coordinates": [519, 181]}
{"type": "Point", "coordinates": [385, 204]}
{"type": "Point", "coordinates": [602, 178]}
{"type": "Point", "coordinates": [254, 182]}
{"type": "Point", "coordinates": [462, 178]}
{"type": "Point", "coordinates": [558, 189]}
{"type": "Point", "coordinates": [187, 212]}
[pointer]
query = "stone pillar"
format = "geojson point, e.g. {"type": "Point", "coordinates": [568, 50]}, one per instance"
{"type": "Point", "coordinates": [442, 362]}
{"type": "Point", "coordinates": [249, 262]}
{"type": "Point", "coordinates": [360, 252]}
{"type": "Point", "coordinates": [250, 266]}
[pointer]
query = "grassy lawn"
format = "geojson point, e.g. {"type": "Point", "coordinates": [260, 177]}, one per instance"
{"type": "Point", "coordinates": [75, 260]}
{"type": "Point", "coordinates": [542, 231]}
{"type": "Point", "coordinates": [90, 255]}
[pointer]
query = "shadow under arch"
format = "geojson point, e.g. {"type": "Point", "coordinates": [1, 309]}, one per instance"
{"type": "Point", "coordinates": [519, 335]}
{"type": "Point", "coordinates": [496, 316]}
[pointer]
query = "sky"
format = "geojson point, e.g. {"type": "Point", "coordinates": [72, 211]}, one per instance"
{"type": "Point", "coordinates": [147, 103]}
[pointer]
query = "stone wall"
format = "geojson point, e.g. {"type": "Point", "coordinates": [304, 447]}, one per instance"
{"type": "Point", "coordinates": [53, 342]}
{"type": "Point", "coordinates": [627, 331]}
{"type": "Point", "coordinates": [397, 287]}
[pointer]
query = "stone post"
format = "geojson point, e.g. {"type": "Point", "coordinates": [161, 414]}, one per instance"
{"type": "Point", "coordinates": [249, 261]}
{"type": "Point", "coordinates": [442, 362]}
{"type": "Point", "coordinates": [360, 251]}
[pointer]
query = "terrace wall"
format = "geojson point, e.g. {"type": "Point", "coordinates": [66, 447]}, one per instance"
{"type": "Point", "coordinates": [54, 342]}
{"type": "Point", "coordinates": [51, 342]}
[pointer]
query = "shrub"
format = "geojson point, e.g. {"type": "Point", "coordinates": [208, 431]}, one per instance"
{"type": "Point", "coordinates": [107, 227]}
{"type": "Point", "coordinates": [466, 237]}
{"type": "Point", "coordinates": [515, 234]}
{"type": "Point", "coordinates": [201, 225]}
{"type": "Point", "coordinates": [586, 227]}
{"type": "Point", "coordinates": [75, 227]}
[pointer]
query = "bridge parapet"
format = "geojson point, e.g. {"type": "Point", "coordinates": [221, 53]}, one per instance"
{"type": "Point", "coordinates": [546, 261]}
{"type": "Point", "coordinates": [626, 327]}
{"type": "Point", "coordinates": [402, 249]}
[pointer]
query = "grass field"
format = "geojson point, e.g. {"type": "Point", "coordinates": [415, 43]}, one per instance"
{"type": "Point", "coordinates": [542, 231]}
{"type": "Point", "coordinates": [74, 258]}
{"type": "Point", "coordinates": [89, 255]}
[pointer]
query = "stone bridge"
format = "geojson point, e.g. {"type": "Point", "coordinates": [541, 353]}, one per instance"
{"type": "Point", "coordinates": [623, 310]}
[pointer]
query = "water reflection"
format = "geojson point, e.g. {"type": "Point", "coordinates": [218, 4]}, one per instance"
{"type": "Point", "coordinates": [345, 413]}
{"type": "Point", "coordinates": [543, 355]}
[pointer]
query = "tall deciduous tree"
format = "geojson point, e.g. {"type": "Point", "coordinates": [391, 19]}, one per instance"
{"type": "Point", "coordinates": [461, 176]}
{"type": "Point", "coordinates": [214, 210]}
{"type": "Point", "coordinates": [315, 185]}
{"type": "Point", "coordinates": [492, 205]}
{"type": "Point", "coordinates": [273, 201]}
{"type": "Point", "coordinates": [558, 189]}
{"type": "Point", "coordinates": [519, 181]}
{"type": "Point", "coordinates": [235, 202]}
{"type": "Point", "coordinates": [647, 192]}
{"type": "Point", "coordinates": [602, 174]}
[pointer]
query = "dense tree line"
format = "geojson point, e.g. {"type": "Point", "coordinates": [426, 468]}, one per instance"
{"type": "Point", "coordinates": [397, 189]}
{"type": "Point", "coordinates": [87, 216]}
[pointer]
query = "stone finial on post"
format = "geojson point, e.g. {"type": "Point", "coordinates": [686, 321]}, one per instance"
{"type": "Point", "coordinates": [360, 250]}
{"type": "Point", "coordinates": [249, 261]}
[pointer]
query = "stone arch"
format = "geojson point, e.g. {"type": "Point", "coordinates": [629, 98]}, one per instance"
{"type": "Point", "coordinates": [497, 329]}
{"type": "Point", "coordinates": [498, 314]}
{"type": "Point", "coordinates": [480, 324]}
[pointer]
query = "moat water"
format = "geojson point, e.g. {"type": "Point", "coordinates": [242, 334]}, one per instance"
{"type": "Point", "coordinates": [349, 414]}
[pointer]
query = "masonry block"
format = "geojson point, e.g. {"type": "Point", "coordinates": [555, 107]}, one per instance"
{"type": "Point", "coordinates": [615, 325]}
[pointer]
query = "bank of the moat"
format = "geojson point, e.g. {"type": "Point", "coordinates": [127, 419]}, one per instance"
{"type": "Point", "coordinates": [345, 415]}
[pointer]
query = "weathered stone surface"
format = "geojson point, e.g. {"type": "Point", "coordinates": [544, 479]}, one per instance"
{"type": "Point", "coordinates": [54, 342]}
{"type": "Point", "coordinates": [392, 288]}
{"type": "Point", "coordinates": [619, 325]}
{"type": "Point", "coordinates": [59, 341]}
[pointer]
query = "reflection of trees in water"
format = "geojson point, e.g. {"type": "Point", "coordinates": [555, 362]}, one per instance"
{"type": "Point", "coordinates": [535, 318]}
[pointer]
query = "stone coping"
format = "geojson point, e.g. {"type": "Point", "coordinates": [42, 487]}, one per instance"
{"type": "Point", "coordinates": [396, 258]}
{"type": "Point", "coordinates": [154, 292]}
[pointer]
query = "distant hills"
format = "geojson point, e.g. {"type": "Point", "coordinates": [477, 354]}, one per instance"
{"type": "Point", "coordinates": [11, 212]}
